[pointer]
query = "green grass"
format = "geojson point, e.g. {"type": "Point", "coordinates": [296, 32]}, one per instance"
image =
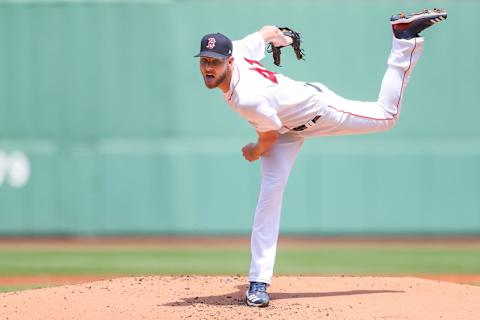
{"type": "Point", "coordinates": [381, 261]}
{"type": "Point", "coordinates": [20, 288]}
{"type": "Point", "coordinates": [324, 261]}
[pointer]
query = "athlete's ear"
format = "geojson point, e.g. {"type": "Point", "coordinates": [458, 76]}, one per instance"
{"type": "Point", "coordinates": [230, 60]}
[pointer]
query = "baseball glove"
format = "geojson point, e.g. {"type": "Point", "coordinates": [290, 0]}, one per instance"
{"type": "Point", "coordinates": [276, 51]}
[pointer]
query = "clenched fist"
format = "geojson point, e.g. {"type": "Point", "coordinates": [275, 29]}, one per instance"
{"type": "Point", "coordinates": [251, 152]}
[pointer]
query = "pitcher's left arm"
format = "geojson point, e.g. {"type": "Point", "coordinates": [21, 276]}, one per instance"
{"type": "Point", "coordinates": [253, 151]}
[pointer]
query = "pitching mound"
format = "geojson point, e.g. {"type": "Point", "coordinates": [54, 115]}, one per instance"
{"type": "Point", "coordinates": [193, 297]}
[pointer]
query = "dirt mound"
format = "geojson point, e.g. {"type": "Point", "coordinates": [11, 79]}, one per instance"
{"type": "Point", "coordinates": [201, 297]}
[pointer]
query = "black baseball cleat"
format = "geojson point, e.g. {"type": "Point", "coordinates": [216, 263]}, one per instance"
{"type": "Point", "coordinates": [409, 25]}
{"type": "Point", "coordinates": [257, 295]}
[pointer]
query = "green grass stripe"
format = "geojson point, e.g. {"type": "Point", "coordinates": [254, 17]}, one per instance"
{"type": "Point", "coordinates": [374, 261]}
{"type": "Point", "coordinates": [236, 261]}
{"type": "Point", "coordinates": [21, 288]}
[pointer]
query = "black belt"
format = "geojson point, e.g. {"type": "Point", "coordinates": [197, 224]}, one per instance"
{"type": "Point", "coordinates": [314, 120]}
{"type": "Point", "coordinates": [303, 127]}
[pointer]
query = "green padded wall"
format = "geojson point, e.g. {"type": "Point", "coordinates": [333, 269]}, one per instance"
{"type": "Point", "coordinates": [106, 126]}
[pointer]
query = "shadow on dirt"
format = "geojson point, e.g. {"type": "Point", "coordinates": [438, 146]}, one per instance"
{"type": "Point", "coordinates": [238, 298]}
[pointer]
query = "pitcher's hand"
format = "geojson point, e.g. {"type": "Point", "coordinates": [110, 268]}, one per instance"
{"type": "Point", "coordinates": [251, 152]}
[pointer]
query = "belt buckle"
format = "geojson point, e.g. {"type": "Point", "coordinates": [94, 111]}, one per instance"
{"type": "Point", "coordinates": [313, 121]}
{"type": "Point", "coordinates": [308, 124]}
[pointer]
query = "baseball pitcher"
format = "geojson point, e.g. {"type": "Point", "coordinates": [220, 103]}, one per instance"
{"type": "Point", "coordinates": [285, 112]}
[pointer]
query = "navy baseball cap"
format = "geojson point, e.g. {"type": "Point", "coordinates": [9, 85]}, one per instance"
{"type": "Point", "coordinates": [215, 45]}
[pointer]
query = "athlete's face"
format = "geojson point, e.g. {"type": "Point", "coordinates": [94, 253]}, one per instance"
{"type": "Point", "coordinates": [214, 71]}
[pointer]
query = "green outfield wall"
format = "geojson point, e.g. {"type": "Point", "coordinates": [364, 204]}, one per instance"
{"type": "Point", "coordinates": [106, 126]}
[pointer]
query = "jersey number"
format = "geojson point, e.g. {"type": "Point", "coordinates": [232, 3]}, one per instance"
{"type": "Point", "coordinates": [267, 74]}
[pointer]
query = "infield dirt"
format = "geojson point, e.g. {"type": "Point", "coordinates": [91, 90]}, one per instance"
{"type": "Point", "coordinates": [202, 297]}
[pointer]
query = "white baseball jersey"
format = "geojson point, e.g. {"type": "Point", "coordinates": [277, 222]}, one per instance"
{"type": "Point", "coordinates": [267, 100]}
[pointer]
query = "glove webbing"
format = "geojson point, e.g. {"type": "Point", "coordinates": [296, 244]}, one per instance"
{"type": "Point", "coordinates": [296, 40]}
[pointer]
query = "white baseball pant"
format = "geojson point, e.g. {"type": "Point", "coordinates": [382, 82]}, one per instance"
{"type": "Point", "coordinates": [339, 116]}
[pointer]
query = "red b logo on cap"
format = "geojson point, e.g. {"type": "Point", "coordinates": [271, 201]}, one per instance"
{"type": "Point", "coordinates": [211, 43]}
